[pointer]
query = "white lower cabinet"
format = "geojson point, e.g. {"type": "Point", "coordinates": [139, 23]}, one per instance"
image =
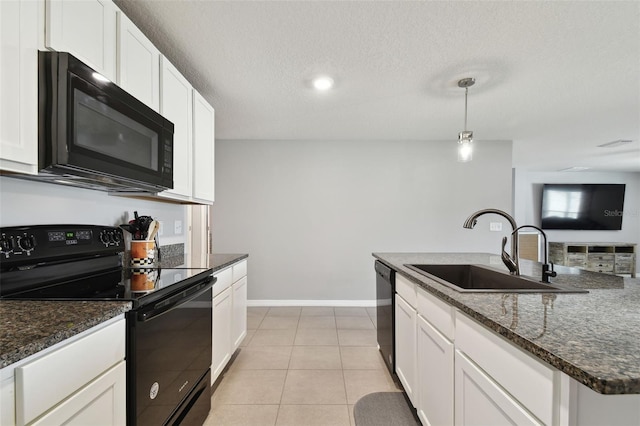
{"type": "Point", "coordinates": [239, 320]}
{"type": "Point", "coordinates": [435, 375]}
{"type": "Point", "coordinates": [79, 381]}
{"type": "Point", "coordinates": [100, 402]}
{"type": "Point", "coordinates": [229, 315]}
{"type": "Point", "coordinates": [405, 336]}
{"type": "Point", "coordinates": [221, 351]}
{"type": "Point", "coordinates": [481, 401]}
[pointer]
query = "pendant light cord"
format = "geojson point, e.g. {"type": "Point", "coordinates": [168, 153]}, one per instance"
{"type": "Point", "coordinates": [466, 90]}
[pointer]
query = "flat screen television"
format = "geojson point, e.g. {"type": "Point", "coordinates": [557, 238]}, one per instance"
{"type": "Point", "coordinates": [582, 206]}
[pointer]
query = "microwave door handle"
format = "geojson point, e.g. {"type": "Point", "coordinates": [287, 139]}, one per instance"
{"type": "Point", "coordinates": [173, 302]}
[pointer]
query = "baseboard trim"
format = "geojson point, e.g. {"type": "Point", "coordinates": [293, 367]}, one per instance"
{"type": "Point", "coordinates": [330, 303]}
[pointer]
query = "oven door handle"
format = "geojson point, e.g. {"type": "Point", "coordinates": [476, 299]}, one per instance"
{"type": "Point", "coordinates": [176, 300]}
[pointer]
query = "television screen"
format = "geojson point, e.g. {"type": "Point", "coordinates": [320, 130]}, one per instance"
{"type": "Point", "coordinates": [582, 206]}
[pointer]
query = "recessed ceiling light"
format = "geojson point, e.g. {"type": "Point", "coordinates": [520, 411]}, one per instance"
{"type": "Point", "coordinates": [574, 169]}
{"type": "Point", "coordinates": [615, 143]}
{"type": "Point", "coordinates": [322, 83]}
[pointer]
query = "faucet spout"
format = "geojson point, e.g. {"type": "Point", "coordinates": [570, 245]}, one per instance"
{"type": "Point", "coordinates": [547, 268]}
{"type": "Point", "coordinates": [510, 262]}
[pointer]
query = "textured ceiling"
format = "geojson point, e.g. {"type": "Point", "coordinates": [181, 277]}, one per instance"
{"type": "Point", "coordinates": [556, 77]}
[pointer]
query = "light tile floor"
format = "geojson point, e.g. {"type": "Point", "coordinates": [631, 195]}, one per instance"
{"type": "Point", "coordinates": [301, 366]}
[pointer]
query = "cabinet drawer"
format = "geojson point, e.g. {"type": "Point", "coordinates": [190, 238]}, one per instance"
{"type": "Point", "coordinates": [239, 270]}
{"type": "Point", "coordinates": [601, 257]}
{"type": "Point", "coordinates": [600, 268]}
{"type": "Point", "coordinates": [623, 269]}
{"type": "Point", "coordinates": [44, 382]}
{"type": "Point", "coordinates": [438, 313]}
{"type": "Point", "coordinates": [525, 378]}
{"type": "Point", "coordinates": [576, 259]}
{"type": "Point", "coordinates": [223, 282]}
{"type": "Point", "coordinates": [406, 289]}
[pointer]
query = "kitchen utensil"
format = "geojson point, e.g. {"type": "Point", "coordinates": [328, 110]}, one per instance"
{"type": "Point", "coordinates": [153, 230]}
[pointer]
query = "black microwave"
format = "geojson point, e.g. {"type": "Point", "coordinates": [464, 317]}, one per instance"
{"type": "Point", "coordinates": [94, 134]}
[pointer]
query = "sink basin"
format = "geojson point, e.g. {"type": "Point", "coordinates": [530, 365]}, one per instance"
{"type": "Point", "coordinates": [481, 279]}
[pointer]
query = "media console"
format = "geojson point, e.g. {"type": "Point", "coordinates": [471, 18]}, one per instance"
{"type": "Point", "coordinates": [608, 258]}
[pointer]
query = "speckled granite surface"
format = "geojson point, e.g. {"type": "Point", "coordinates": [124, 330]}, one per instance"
{"type": "Point", "coordinates": [27, 327]}
{"type": "Point", "coordinates": [593, 337]}
{"type": "Point", "coordinates": [219, 261]}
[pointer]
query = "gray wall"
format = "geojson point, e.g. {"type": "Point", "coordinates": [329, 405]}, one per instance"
{"type": "Point", "coordinates": [528, 199]}
{"type": "Point", "coordinates": [34, 203]}
{"type": "Point", "coordinates": [310, 213]}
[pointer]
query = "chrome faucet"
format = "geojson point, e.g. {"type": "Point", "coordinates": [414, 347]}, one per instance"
{"type": "Point", "coordinates": [510, 261]}
{"type": "Point", "coordinates": [547, 268]}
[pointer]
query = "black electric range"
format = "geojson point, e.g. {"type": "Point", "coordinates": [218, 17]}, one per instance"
{"type": "Point", "coordinates": [168, 328]}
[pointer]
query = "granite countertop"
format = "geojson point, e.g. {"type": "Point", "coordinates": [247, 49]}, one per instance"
{"type": "Point", "coordinates": [593, 337]}
{"type": "Point", "coordinates": [30, 326]}
{"type": "Point", "coordinates": [219, 261]}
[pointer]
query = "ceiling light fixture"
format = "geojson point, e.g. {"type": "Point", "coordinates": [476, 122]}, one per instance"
{"type": "Point", "coordinates": [465, 138]}
{"type": "Point", "coordinates": [323, 83]}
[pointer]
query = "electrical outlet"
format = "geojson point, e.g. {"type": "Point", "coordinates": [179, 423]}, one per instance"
{"type": "Point", "coordinates": [160, 228]}
{"type": "Point", "coordinates": [495, 226]}
{"type": "Point", "coordinates": [177, 227]}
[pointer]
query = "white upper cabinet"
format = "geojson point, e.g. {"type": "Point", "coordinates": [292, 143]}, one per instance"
{"type": "Point", "coordinates": [203, 149]}
{"type": "Point", "coordinates": [86, 29]}
{"type": "Point", "coordinates": [19, 86]}
{"type": "Point", "coordinates": [138, 63]}
{"type": "Point", "coordinates": [176, 106]}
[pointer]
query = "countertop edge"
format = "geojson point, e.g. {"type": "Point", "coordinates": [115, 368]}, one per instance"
{"type": "Point", "coordinates": [219, 261]}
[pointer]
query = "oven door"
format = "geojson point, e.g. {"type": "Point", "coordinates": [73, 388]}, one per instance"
{"type": "Point", "coordinates": [169, 353]}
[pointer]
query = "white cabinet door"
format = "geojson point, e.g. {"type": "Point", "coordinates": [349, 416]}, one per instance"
{"type": "Point", "coordinates": [138, 63]}
{"type": "Point", "coordinates": [239, 321]}
{"type": "Point", "coordinates": [203, 149]}
{"type": "Point", "coordinates": [221, 350]}
{"type": "Point", "coordinates": [102, 401]}
{"type": "Point", "coordinates": [435, 375]}
{"type": "Point", "coordinates": [86, 29]}
{"type": "Point", "coordinates": [19, 86]}
{"type": "Point", "coordinates": [480, 401]}
{"type": "Point", "coordinates": [176, 106]}
{"type": "Point", "coordinates": [405, 337]}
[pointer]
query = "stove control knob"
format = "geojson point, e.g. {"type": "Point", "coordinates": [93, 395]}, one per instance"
{"type": "Point", "coordinates": [7, 244]}
{"type": "Point", "coordinates": [105, 237]}
{"type": "Point", "coordinates": [27, 242]}
{"type": "Point", "coordinates": [117, 237]}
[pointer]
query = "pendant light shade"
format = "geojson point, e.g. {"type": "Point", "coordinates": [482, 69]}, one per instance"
{"type": "Point", "coordinates": [465, 138]}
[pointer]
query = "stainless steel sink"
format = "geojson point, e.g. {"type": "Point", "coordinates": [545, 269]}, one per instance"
{"type": "Point", "coordinates": [482, 279]}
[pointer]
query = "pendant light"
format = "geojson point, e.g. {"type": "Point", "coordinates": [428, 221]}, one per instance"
{"type": "Point", "coordinates": [465, 138]}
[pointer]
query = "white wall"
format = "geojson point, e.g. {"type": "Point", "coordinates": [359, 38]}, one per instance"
{"type": "Point", "coordinates": [528, 199]}
{"type": "Point", "coordinates": [35, 203]}
{"type": "Point", "coordinates": [310, 213]}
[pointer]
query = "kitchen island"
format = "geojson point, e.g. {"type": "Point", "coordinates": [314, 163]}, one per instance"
{"type": "Point", "coordinates": [586, 341]}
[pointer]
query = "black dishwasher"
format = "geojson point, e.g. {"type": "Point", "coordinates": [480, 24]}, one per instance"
{"type": "Point", "coordinates": [385, 313]}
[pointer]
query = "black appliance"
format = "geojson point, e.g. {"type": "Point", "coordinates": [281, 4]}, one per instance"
{"type": "Point", "coordinates": [169, 341]}
{"type": "Point", "coordinates": [93, 134]}
{"type": "Point", "coordinates": [582, 206]}
{"type": "Point", "coordinates": [385, 313]}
